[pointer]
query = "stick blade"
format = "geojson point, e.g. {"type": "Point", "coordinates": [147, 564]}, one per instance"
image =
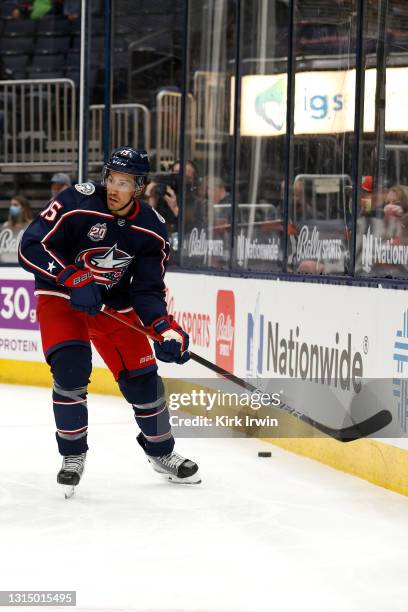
{"type": "Point", "coordinates": [374, 423]}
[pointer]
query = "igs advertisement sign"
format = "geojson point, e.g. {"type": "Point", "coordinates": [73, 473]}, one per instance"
{"type": "Point", "coordinates": [324, 102]}
{"type": "Point", "coordinates": [224, 345]}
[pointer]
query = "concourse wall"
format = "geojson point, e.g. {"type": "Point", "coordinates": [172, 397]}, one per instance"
{"type": "Point", "coordinates": [246, 326]}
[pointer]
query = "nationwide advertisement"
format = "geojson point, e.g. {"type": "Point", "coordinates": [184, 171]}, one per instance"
{"type": "Point", "coordinates": [336, 354]}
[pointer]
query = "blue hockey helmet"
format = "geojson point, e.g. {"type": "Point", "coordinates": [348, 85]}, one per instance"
{"type": "Point", "coordinates": [129, 161]}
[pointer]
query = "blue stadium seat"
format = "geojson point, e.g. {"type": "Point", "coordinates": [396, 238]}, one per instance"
{"type": "Point", "coordinates": [52, 45]}
{"type": "Point", "coordinates": [54, 26]}
{"type": "Point", "coordinates": [47, 63]}
{"type": "Point", "coordinates": [34, 73]}
{"type": "Point", "coordinates": [16, 63]}
{"type": "Point", "coordinates": [7, 7]}
{"type": "Point", "coordinates": [20, 27]}
{"type": "Point", "coordinates": [15, 46]}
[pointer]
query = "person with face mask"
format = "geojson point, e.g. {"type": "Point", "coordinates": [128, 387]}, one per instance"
{"type": "Point", "coordinates": [19, 217]}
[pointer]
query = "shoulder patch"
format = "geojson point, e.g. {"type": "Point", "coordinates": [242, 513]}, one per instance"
{"type": "Point", "coordinates": [159, 216]}
{"type": "Point", "coordinates": [85, 188]}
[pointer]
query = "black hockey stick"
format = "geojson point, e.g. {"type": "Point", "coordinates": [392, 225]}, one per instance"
{"type": "Point", "coordinates": [344, 434]}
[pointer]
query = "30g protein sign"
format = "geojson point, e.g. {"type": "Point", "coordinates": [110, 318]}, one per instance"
{"type": "Point", "coordinates": [17, 305]}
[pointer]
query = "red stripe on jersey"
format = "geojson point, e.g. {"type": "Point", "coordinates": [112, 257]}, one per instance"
{"type": "Point", "coordinates": [74, 212]}
{"type": "Point", "coordinates": [136, 211]}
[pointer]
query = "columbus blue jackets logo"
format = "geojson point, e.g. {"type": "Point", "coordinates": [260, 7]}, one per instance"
{"type": "Point", "coordinates": [108, 264]}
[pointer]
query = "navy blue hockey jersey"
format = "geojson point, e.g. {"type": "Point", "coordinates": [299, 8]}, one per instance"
{"type": "Point", "coordinates": [127, 255]}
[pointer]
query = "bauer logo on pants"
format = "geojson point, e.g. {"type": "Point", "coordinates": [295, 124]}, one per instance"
{"type": "Point", "coordinates": [224, 341]}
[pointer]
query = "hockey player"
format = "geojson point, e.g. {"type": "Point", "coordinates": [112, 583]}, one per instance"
{"type": "Point", "coordinates": [97, 246]}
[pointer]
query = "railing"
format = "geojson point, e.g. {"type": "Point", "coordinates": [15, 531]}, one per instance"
{"type": "Point", "coordinates": [38, 123]}
{"type": "Point", "coordinates": [168, 127]}
{"type": "Point", "coordinates": [130, 125]}
{"type": "Point", "coordinates": [209, 94]}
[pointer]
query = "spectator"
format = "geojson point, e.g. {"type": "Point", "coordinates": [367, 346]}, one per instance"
{"type": "Point", "coordinates": [213, 189]}
{"type": "Point", "coordinates": [372, 201]}
{"type": "Point", "coordinates": [34, 10]}
{"type": "Point", "coordinates": [366, 194]}
{"type": "Point", "coordinates": [37, 9]}
{"type": "Point", "coordinates": [165, 198]}
{"type": "Point", "coordinates": [72, 9]}
{"type": "Point", "coordinates": [194, 205]}
{"type": "Point", "coordinates": [302, 205]}
{"type": "Point", "coordinates": [396, 214]}
{"type": "Point", "coordinates": [19, 217]}
{"type": "Point", "coordinates": [59, 182]}
{"type": "Point", "coordinates": [218, 199]}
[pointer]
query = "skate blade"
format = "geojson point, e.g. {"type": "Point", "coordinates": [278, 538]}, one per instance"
{"type": "Point", "coordinates": [69, 491]}
{"type": "Point", "coordinates": [189, 480]}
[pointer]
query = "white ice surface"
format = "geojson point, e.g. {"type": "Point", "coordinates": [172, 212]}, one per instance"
{"type": "Point", "coordinates": [284, 534]}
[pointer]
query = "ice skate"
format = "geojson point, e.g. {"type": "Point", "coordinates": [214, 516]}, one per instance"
{"type": "Point", "coordinates": [71, 472]}
{"type": "Point", "coordinates": [173, 466]}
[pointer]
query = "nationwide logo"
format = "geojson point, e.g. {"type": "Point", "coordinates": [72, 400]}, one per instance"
{"type": "Point", "coordinates": [196, 324]}
{"type": "Point", "coordinates": [271, 104]}
{"type": "Point", "coordinates": [255, 341]}
{"type": "Point", "coordinates": [225, 331]}
{"type": "Point", "coordinates": [290, 355]}
{"type": "Point", "coordinates": [108, 264]}
{"type": "Point", "coordinates": [248, 249]}
{"type": "Point", "coordinates": [200, 246]}
{"type": "Point", "coordinates": [378, 251]}
{"type": "Point", "coordinates": [310, 246]}
{"type": "Point", "coordinates": [400, 384]}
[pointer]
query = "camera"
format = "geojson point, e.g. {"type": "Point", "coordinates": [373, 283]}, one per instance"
{"type": "Point", "coordinates": [163, 180]}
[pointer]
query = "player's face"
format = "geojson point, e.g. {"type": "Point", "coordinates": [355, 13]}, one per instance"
{"type": "Point", "coordinates": [120, 190]}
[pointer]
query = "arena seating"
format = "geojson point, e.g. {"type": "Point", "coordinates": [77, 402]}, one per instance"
{"type": "Point", "coordinates": [49, 47]}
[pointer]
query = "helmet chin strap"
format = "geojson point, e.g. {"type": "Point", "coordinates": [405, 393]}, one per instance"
{"type": "Point", "coordinates": [132, 198]}
{"type": "Point", "coordinates": [125, 206]}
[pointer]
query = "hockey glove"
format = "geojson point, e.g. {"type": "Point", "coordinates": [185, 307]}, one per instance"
{"type": "Point", "coordinates": [85, 294]}
{"type": "Point", "coordinates": [174, 346]}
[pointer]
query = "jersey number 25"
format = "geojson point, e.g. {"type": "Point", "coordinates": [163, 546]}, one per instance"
{"type": "Point", "coordinates": [50, 213]}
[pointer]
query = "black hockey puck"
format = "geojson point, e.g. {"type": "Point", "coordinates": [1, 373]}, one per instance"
{"type": "Point", "coordinates": [264, 454]}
